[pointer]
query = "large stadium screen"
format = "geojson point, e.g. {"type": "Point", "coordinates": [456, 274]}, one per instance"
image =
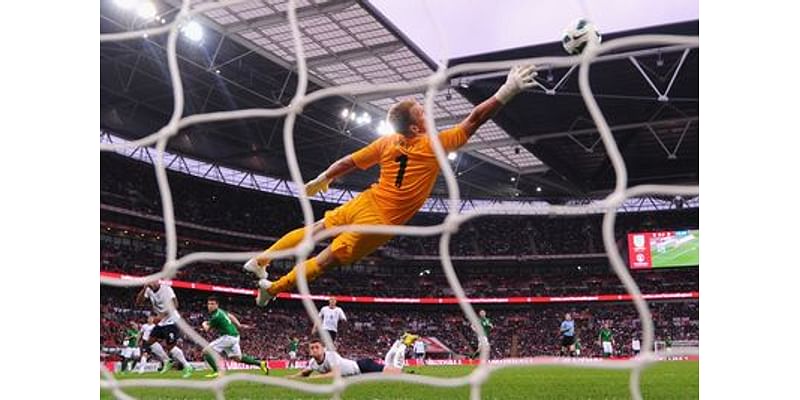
{"type": "Point", "coordinates": [664, 249]}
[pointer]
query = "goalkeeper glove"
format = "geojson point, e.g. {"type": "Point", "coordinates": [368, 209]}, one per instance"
{"type": "Point", "coordinates": [319, 184]}
{"type": "Point", "coordinates": [519, 78]}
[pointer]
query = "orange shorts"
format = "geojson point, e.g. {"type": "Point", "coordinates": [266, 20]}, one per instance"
{"type": "Point", "coordinates": [350, 247]}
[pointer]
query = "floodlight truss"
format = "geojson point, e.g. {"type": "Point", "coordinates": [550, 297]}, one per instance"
{"type": "Point", "coordinates": [282, 187]}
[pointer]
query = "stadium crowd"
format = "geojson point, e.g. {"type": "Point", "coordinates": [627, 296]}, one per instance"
{"type": "Point", "coordinates": [417, 280]}
{"type": "Point", "coordinates": [130, 185]}
{"type": "Point", "coordinates": [519, 331]}
{"type": "Point", "coordinates": [219, 217]}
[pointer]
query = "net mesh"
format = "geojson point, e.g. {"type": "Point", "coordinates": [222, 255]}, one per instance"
{"type": "Point", "coordinates": [446, 229]}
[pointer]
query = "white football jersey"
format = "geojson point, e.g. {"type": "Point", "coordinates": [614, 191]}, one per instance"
{"type": "Point", "coordinates": [636, 345]}
{"type": "Point", "coordinates": [419, 346]}
{"type": "Point", "coordinates": [396, 356]}
{"type": "Point", "coordinates": [331, 317]}
{"type": "Point", "coordinates": [145, 331]}
{"type": "Point", "coordinates": [332, 359]}
{"type": "Point", "coordinates": [159, 300]}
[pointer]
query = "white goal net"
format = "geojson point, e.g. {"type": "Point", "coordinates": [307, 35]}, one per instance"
{"type": "Point", "coordinates": [430, 85]}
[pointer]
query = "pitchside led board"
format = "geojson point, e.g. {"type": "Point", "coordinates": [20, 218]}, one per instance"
{"type": "Point", "coordinates": [664, 249]}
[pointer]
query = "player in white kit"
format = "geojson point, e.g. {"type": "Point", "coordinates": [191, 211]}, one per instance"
{"type": "Point", "coordinates": [419, 349]}
{"type": "Point", "coordinates": [636, 346]}
{"type": "Point", "coordinates": [330, 316]}
{"type": "Point", "coordinates": [144, 336]}
{"type": "Point", "coordinates": [396, 356]}
{"type": "Point", "coordinates": [166, 329]}
{"type": "Point", "coordinates": [323, 362]}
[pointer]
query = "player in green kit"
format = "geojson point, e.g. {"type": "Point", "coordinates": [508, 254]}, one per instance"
{"type": "Point", "coordinates": [487, 326]}
{"type": "Point", "coordinates": [227, 325]}
{"type": "Point", "coordinates": [294, 344]}
{"type": "Point", "coordinates": [130, 353]}
{"type": "Point", "coordinates": [606, 338]}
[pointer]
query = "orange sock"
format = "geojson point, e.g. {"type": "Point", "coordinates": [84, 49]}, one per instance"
{"type": "Point", "coordinates": [288, 241]}
{"type": "Point", "coordinates": [288, 281]}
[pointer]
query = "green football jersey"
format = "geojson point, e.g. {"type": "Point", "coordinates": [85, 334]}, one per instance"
{"type": "Point", "coordinates": [605, 335]}
{"type": "Point", "coordinates": [220, 321]}
{"type": "Point", "coordinates": [487, 325]}
{"type": "Point", "coordinates": [131, 337]}
{"type": "Point", "coordinates": [293, 345]}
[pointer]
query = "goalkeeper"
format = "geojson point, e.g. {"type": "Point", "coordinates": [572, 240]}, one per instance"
{"type": "Point", "coordinates": [408, 171]}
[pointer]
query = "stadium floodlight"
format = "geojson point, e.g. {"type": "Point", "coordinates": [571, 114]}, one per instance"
{"type": "Point", "coordinates": [364, 118]}
{"type": "Point", "coordinates": [538, 188]}
{"type": "Point", "coordinates": [193, 31]}
{"type": "Point", "coordinates": [384, 128]}
{"type": "Point", "coordinates": [146, 10]}
{"type": "Point", "coordinates": [513, 179]}
{"type": "Point", "coordinates": [353, 116]}
{"type": "Point", "coordinates": [452, 156]}
{"type": "Point", "coordinates": [345, 113]}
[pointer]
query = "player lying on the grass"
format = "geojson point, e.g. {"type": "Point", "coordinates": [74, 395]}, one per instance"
{"type": "Point", "coordinates": [323, 363]}
{"type": "Point", "coordinates": [227, 325]}
{"type": "Point", "coordinates": [408, 171]}
{"type": "Point", "coordinates": [396, 356]}
{"type": "Point", "coordinates": [166, 329]}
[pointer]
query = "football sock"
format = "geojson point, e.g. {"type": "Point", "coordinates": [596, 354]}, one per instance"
{"type": "Point", "coordinates": [250, 360]}
{"type": "Point", "coordinates": [288, 281]}
{"type": "Point", "coordinates": [178, 355]}
{"type": "Point", "coordinates": [142, 362]}
{"type": "Point", "coordinates": [159, 351]}
{"type": "Point", "coordinates": [288, 241]}
{"type": "Point", "coordinates": [210, 361]}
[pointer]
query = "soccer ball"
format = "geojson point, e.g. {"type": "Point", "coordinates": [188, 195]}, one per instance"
{"type": "Point", "coordinates": [578, 34]}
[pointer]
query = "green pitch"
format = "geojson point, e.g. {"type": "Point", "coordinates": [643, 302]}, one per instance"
{"type": "Point", "coordinates": [686, 254]}
{"type": "Point", "coordinates": [666, 380]}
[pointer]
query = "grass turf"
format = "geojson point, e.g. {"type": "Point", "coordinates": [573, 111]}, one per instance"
{"type": "Point", "coordinates": [666, 380]}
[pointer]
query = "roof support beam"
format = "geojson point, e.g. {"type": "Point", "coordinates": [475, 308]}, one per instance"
{"type": "Point", "coordinates": [282, 17]}
{"type": "Point", "coordinates": [467, 79]}
{"type": "Point", "coordinates": [355, 54]}
{"type": "Point", "coordinates": [553, 135]}
{"type": "Point", "coordinates": [536, 169]}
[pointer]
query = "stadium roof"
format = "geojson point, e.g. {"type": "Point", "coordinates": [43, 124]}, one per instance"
{"type": "Point", "coordinates": [540, 140]}
{"type": "Point", "coordinates": [449, 29]}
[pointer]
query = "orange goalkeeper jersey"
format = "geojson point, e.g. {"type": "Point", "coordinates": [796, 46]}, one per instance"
{"type": "Point", "coordinates": [408, 170]}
